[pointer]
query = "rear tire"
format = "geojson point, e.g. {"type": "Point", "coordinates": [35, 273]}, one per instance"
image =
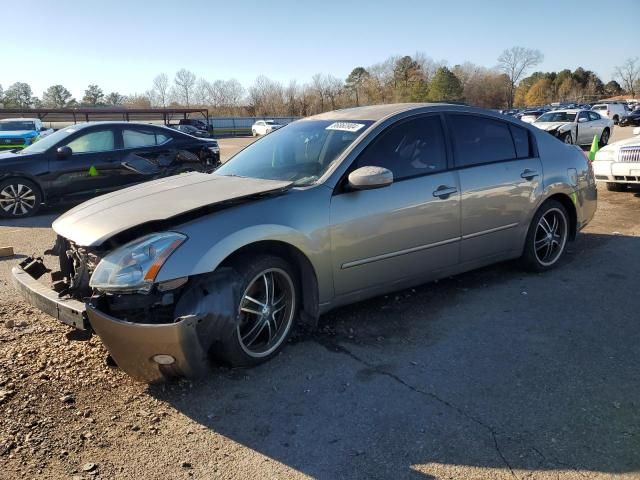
{"type": "Point", "coordinates": [19, 198]}
{"type": "Point", "coordinates": [267, 305]}
{"type": "Point", "coordinates": [547, 237]}
{"type": "Point", "coordinates": [616, 119]}
{"type": "Point", "coordinates": [616, 187]}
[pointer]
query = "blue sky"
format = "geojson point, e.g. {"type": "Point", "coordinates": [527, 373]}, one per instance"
{"type": "Point", "coordinates": [122, 45]}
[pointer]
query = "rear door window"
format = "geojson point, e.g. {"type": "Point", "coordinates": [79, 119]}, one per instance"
{"type": "Point", "coordinates": [479, 140]}
{"type": "Point", "coordinates": [521, 141]}
{"type": "Point", "coordinates": [140, 138]}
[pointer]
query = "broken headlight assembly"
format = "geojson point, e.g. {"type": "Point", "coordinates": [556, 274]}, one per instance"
{"type": "Point", "coordinates": [132, 268]}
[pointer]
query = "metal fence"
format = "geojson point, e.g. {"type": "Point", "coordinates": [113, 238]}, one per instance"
{"type": "Point", "coordinates": [240, 126]}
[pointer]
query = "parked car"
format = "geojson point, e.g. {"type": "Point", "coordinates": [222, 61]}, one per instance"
{"type": "Point", "coordinates": [530, 116]}
{"type": "Point", "coordinates": [86, 160]}
{"type": "Point", "coordinates": [618, 165]}
{"type": "Point", "coordinates": [615, 111]}
{"type": "Point", "coordinates": [16, 133]}
{"type": "Point", "coordinates": [191, 130]}
{"type": "Point", "coordinates": [262, 127]}
{"type": "Point", "coordinates": [194, 122]}
{"type": "Point", "coordinates": [329, 210]}
{"type": "Point", "coordinates": [576, 126]}
{"type": "Point", "coordinates": [630, 119]}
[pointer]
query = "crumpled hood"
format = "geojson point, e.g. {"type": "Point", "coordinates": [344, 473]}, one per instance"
{"type": "Point", "coordinates": [97, 220]}
{"type": "Point", "coordinates": [17, 133]}
{"type": "Point", "coordinates": [549, 125]}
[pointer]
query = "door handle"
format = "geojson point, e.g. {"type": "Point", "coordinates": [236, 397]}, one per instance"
{"type": "Point", "coordinates": [443, 191]}
{"type": "Point", "coordinates": [529, 174]}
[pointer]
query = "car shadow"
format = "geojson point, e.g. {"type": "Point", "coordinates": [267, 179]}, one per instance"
{"type": "Point", "coordinates": [498, 371]}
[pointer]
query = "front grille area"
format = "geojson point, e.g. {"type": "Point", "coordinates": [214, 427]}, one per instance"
{"type": "Point", "coordinates": [629, 155]}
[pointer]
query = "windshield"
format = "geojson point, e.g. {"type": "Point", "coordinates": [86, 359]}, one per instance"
{"type": "Point", "coordinates": [269, 122]}
{"type": "Point", "coordinates": [301, 152]}
{"type": "Point", "coordinates": [50, 140]}
{"type": "Point", "coordinates": [556, 117]}
{"type": "Point", "coordinates": [15, 126]}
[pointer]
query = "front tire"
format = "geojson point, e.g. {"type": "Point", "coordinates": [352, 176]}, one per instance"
{"type": "Point", "coordinates": [547, 237]}
{"type": "Point", "coordinates": [604, 137]}
{"type": "Point", "coordinates": [616, 187]}
{"type": "Point", "coordinates": [567, 138]}
{"type": "Point", "coordinates": [19, 198]}
{"type": "Point", "coordinates": [267, 304]}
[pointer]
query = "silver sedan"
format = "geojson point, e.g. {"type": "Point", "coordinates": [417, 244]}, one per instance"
{"type": "Point", "coordinates": [326, 211]}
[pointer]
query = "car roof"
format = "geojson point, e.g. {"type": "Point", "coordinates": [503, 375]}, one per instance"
{"type": "Point", "coordinates": [378, 112]}
{"type": "Point", "coordinates": [82, 125]}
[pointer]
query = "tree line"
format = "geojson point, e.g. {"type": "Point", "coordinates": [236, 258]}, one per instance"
{"type": "Point", "coordinates": [409, 78]}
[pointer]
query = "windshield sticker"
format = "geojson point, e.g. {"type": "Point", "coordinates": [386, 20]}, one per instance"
{"type": "Point", "coordinates": [346, 126]}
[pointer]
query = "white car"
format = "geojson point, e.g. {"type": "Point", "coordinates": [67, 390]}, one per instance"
{"type": "Point", "coordinates": [618, 165]}
{"type": "Point", "coordinates": [614, 111]}
{"type": "Point", "coordinates": [262, 127]}
{"type": "Point", "coordinates": [576, 126]}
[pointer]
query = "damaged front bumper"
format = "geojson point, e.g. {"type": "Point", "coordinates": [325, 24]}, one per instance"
{"type": "Point", "coordinates": [152, 353]}
{"type": "Point", "coordinates": [69, 311]}
{"type": "Point", "coordinates": [147, 352]}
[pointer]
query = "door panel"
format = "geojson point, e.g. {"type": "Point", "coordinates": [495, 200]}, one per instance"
{"type": "Point", "coordinates": [394, 233]}
{"type": "Point", "coordinates": [92, 167]}
{"type": "Point", "coordinates": [498, 189]}
{"type": "Point", "coordinates": [496, 202]}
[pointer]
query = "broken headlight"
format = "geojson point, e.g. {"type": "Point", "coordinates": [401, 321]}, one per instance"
{"type": "Point", "coordinates": [134, 266]}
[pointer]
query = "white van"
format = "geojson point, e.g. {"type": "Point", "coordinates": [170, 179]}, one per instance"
{"type": "Point", "coordinates": [614, 111]}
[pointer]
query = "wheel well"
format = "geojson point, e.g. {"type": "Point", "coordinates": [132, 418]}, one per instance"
{"type": "Point", "coordinates": [298, 260]}
{"type": "Point", "coordinates": [19, 177]}
{"type": "Point", "coordinates": [571, 210]}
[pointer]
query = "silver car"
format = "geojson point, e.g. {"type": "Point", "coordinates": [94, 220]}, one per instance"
{"type": "Point", "coordinates": [326, 211]}
{"type": "Point", "coordinates": [576, 126]}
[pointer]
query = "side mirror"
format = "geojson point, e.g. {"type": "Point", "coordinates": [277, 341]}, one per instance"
{"type": "Point", "coordinates": [582, 120]}
{"type": "Point", "coordinates": [367, 178]}
{"type": "Point", "coordinates": [64, 152]}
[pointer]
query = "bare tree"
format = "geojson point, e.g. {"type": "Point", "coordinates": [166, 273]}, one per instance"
{"type": "Point", "coordinates": [333, 90]}
{"type": "Point", "coordinates": [515, 62]}
{"type": "Point", "coordinates": [320, 87]}
{"type": "Point", "coordinates": [629, 74]}
{"type": "Point", "coordinates": [185, 81]}
{"type": "Point", "coordinates": [161, 89]}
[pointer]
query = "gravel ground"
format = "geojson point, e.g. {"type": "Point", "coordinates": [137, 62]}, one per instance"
{"type": "Point", "coordinates": [491, 374]}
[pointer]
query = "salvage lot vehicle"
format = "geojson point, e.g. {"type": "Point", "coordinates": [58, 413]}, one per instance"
{"type": "Point", "coordinates": [530, 116]}
{"type": "Point", "coordinates": [16, 133]}
{"type": "Point", "coordinates": [614, 110]}
{"type": "Point", "coordinates": [618, 164]}
{"type": "Point", "coordinates": [191, 130]}
{"type": "Point", "coordinates": [86, 160]}
{"type": "Point", "coordinates": [630, 119]}
{"type": "Point", "coordinates": [262, 127]}
{"type": "Point", "coordinates": [330, 210]}
{"type": "Point", "coordinates": [576, 126]}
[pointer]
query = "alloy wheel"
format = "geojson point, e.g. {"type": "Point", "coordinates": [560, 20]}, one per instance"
{"type": "Point", "coordinates": [17, 199]}
{"type": "Point", "coordinates": [266, 312]}
{"type": "Point", "coordinates": [568, 139]}
{"type": "Point", "coordinates": [551, 237]}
